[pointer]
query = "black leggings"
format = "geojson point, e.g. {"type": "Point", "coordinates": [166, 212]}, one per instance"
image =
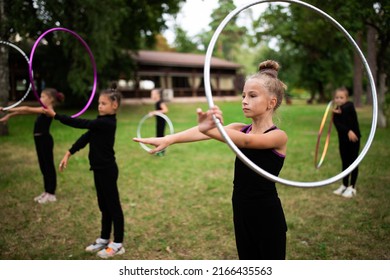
{"type": "Point", "coordinates": [109, 202]}
{"type": "Point", "coordinates": [260, 228]}
{"type": "Point", "coordinates": [44, 146]}
{"type": "Point", "coordinates": [349, 151]}
{"type": "Point", "coordinates": [160, 126]}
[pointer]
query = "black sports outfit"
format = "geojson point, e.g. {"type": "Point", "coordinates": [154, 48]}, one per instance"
{"type": "Point", "coordinates": [101, 138]}
{"type": "Point", "coordinates": [349, 151]}
{"type": "Point", "coordinates": [259, 221]}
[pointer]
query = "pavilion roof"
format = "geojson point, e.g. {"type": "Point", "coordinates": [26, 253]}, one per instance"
{"type": "Point", "coordinates": [181, 60]}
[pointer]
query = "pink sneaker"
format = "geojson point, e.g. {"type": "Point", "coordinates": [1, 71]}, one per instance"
{"type": "Point", "coordinates": [111, 250]}
{"type": "Point", "coordinates": [47, 198]}
{"type": "Point", "coordinates": [39, 196]}
{"type": "Point", "coordinates": [349, 192]}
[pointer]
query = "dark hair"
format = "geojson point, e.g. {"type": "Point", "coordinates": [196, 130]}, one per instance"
{"type": "Point", "coordinates": [113, 94]}
{"type": "Point", "coordinates": [268, 74]}
{"type": "Point", "coordinates": [57, 96]}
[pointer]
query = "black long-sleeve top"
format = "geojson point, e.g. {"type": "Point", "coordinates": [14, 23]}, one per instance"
{"type": "Point", "coordinates": [42, 125]}
{"type": "Point", "coordinates": [345, 121]}
{"type": "Point", "coordinates": [100, 136]}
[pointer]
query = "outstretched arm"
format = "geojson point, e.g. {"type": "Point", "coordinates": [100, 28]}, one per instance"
{"type": "Point", "coordinates": [190, 135]}
{"type": "Point", "coordinates": [276, 139]}
{"type": "Point", "coordinates": [22, 110]}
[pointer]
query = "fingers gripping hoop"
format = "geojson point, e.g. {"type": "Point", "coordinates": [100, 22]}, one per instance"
{"type": "Point", "coordinates": [147, 116]}
{"type": "Point", "coordinates": [326, 145]}
{"type": "Point", "coordinates": [90, 56]}
{"type": "Point", "coordinates": [239, 154]}
{"type": "Point", "coordinates": [28, 62]}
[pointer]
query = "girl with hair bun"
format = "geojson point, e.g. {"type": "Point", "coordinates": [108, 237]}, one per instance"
{"type": "Point", "coordinates": [44, 143]}
{"type": "Point", "coordinates": [259, 221]}
{"type": "Point", "coordinates": [100, 136]}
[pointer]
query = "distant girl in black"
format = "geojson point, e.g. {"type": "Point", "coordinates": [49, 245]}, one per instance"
{"type": "Point", "coordinates": [347, 125]}
{"type": "Point", "coordinates": [43, 140]}
{"type": "Point", "coordinates": [159, 107]}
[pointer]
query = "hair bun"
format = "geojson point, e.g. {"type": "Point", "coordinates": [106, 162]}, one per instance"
{"type": "Point", "coordinates": [113, 86]}
{"type": "Point", "coordinates": [269, 67]}
{"type": "Point", "coordinates": [60, 96]}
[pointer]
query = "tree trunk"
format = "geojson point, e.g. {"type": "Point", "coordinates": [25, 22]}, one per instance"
{"type": "Point", "coordinates": [4, 74]}
{"type": "Point", "coordinates": [357, 74]}
{"type": "Point", "coordinates": [371, 58]}
{"type": "Point", "coordinates": [382, 122]}
{"type": "Point", "coordinates": [321, 91]}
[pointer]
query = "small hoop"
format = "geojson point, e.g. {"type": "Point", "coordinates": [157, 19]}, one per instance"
{"type": "Point", "coordinates": [237, 151]}
{"type": "Point", "coordinates": [326, 145]}
{"type": "Point", "coordinates": [28, 62]}
{"type": "Point", "coordinates": [147, 116]}
{"type": "Point", "coordinates": [90, 56]}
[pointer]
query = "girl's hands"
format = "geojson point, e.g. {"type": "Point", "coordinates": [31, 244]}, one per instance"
{"type": "Point", "coordinates": [159, 142]}
{"type": "Point", "coordinates": [64, 161]}
{"type": "Point", "coordinates": [205, 119]}
{"type": "Point", "coordinates": [5, 118]}
{"type": "Point", "coordinates": [49, 112]}
{"type": "Point", "coordinates": [352, 136]}
{"type": "Point", "coordinates": [337, 110]}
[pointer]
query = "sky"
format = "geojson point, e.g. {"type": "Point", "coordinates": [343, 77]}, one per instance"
{"type": "Point", "coordinates": [194, 16]}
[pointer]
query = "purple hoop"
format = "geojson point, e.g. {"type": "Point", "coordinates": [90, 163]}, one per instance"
{"type": "Point", "coordinates": [30, 71]}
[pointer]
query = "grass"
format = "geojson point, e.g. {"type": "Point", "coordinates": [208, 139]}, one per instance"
{"type": "Point", "coordinates": [179, 206]}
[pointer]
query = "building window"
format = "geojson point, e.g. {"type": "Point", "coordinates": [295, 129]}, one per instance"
{"type": "Point", "coordinates": [180, 82]}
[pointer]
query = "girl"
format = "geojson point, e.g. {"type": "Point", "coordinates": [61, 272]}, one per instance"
{"type": "Point", "coordinates": [101, 138]}
{"type": "Point", "coordinates": [259, 222]}
{"type": "Point", "coordinates": [347, 125]}
{"type": "Point", "coordinates": [160, 107]}
{"type": "Point", "coordinates": [44, 143]}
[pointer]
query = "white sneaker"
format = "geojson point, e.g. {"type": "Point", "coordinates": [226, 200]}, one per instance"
{"type": "Point", "coordinates": [340, 190]}
{"type": "Point", "coordinates": [111, 250]}
{"type": "Point", "coordinates": [349, 192]}
{"type": "Point", "coordinates": [47, 198]}
{"type": "Point", "coordinates": [39, 196]}
{"type": "Point", "coordinates": [98, 245]}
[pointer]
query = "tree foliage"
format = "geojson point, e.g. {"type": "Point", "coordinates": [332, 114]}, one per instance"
{"type": "Point", "coordinates": [110, 28]}
{"type": "Point", "coordinates": [314, 52]}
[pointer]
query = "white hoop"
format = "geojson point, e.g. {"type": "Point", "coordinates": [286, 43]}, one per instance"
{"type": "Point", "coordinates": [239, 154]}
{"type": "Point", "coordinates": [147, 116]}
{"type": "Point", "coordinates": [29, 87]}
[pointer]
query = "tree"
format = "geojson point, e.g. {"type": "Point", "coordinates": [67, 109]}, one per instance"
{"type": "Point", "coordinates": [377, 19]}
{"type": "Point", "coordinates": [110, 28]}
{"type": "Point", "coordinates": [316, 51]}
{"type": "Point", "coordinates": [183, 43]}
{"type": "Point", "coordinates": [232, 35]}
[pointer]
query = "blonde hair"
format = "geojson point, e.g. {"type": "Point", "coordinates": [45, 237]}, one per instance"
{"type": "Point", "coordinates": [268, 75]}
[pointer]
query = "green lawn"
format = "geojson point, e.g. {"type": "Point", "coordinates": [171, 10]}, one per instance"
{"type": "Point", "coordinates": [179, 206]}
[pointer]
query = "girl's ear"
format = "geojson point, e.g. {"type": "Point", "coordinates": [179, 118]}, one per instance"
{"type": "Point", "coordinates": [115, 105]}
{"type": "Point", "coordinates": [272, 102]}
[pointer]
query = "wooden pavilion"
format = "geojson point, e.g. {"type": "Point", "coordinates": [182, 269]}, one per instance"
{"type": "Point", "coordinates": [180, 75]}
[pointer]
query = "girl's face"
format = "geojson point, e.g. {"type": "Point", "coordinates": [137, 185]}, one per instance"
{"type": "Point", "coordinates": [106, 105]}
{"type": "Point", "coordinates": [155, 95]}
{"type": "Point", "coordinates": [46, 99]}
{"type": "Point", "coordinates": [256, 101]}
{"type": "Point", "coordinates": [340, 97]}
